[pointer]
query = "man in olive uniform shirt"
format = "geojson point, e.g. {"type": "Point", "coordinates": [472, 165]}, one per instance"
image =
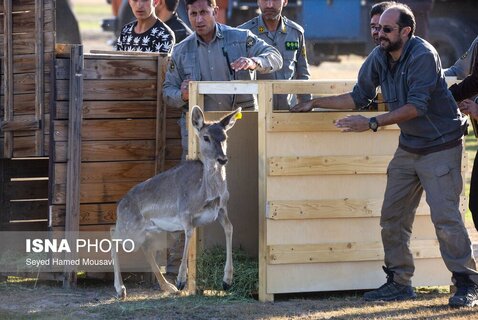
{"type": "Point", "coordinates": [287, 37]}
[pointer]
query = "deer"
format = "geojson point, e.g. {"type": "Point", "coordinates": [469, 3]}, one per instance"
{"type": "Point", "coordinates": [191, 194]}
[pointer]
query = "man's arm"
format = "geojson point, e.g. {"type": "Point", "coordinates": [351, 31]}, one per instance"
{"type": "Point", "coordinates": [339, 102]}
{"type": "Point", "coordinates": [302, 69]}
{"type": "Point", "coordinates": [172, 93]}
{"type": "Point", "coordinates": [462, 66]}
{"type": "Point", "coordinates": [267, 58]}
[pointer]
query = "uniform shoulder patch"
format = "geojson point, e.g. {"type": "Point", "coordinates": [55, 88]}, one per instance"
{"type": "Point", "coordinates": [250, 42]}
{"type": "Point", "coordinates": [292, 45]}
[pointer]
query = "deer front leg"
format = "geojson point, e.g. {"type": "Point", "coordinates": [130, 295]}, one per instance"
{"type": "Point", "coordinates": [228, 268]}
{"type": "Point", "coordinates": [183, 268]}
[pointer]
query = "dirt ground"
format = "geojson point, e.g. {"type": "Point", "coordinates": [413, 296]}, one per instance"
{"type": "Point", "coordinates": [94, 299]}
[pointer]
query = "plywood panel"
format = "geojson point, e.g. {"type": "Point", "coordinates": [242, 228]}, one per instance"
{"type": "Point", "coordinates": [347, 276]}
{"type": "Point", "coordinates": [328, 165]}
{"type": "Point", "coordinates": [325, 143]}
{"type": "Point", "coordinates": [323, 209]}
{"type": "Point", "coordinates": [337, 230]}
{"type": "Point", "coordinates": [325, 187]}
{"type": "Point", "coordinates": [312, 121]}
{"type": "Point", "coordinates": [350, 251]}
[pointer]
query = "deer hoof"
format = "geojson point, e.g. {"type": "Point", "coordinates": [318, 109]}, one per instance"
{"type": "Point", "coordinates": [226, 286]}
{"type": "Point", "coordinates": [180, 285]}
{"type": "Point", "coordinates": [122, 293]}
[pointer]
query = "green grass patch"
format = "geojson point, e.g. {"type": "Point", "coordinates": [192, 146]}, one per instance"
{"type": "Point", "coordinates": [210, 272]}
{"type": "Point", "coordinates": [471, 146]}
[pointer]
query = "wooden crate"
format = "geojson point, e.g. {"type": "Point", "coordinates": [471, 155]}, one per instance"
{"type": "Point", "coordinates": [27, 32]}
{"type": "Point", "coordinates": [320, 195]}
{"type": "Point", "coordinates": [122, 141]}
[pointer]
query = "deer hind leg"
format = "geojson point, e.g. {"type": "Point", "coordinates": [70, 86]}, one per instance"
{"type": "Point", "coordinates": [183, 268]}
{"type": "Point", "coordinates": [119, 286]}
{"type": "Point", "coordinates": [151, 257]}
{"type": "Point", "coordinates": [228, 268]}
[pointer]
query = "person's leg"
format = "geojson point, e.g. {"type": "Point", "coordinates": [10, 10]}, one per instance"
{"type": "Point", "coordinates": [402, 196]}
{"type": "Point", "coordinates": [440, 174]}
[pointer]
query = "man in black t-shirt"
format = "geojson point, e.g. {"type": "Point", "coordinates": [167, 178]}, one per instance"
{"type": "Point", "coordinates": [147, 33]}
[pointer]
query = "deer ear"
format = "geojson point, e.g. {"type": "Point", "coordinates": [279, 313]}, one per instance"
{"type": "Point", "coordinates": [197, 119]}
{"type": "Point", "coordinates": [228, 121]}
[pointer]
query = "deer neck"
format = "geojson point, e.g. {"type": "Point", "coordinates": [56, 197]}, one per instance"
{"type": "Point", "coordinates": [214, 180]}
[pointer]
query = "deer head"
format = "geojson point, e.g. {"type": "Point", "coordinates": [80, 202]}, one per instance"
{"type": "Point", "coordinates": [213, 135]}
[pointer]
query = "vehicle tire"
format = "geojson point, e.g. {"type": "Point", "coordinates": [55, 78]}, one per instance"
{"type": "Point", "coordinates": [451, 38]}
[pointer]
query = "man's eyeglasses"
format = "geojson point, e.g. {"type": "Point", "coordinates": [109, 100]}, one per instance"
{"type": "Point", "coordinates": [385, 29]}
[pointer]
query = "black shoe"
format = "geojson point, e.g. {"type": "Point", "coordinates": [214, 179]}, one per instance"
{"type": "Point", "coordinates": [390, 291]}
{"type": "Point", "coordinates": [466, 294]}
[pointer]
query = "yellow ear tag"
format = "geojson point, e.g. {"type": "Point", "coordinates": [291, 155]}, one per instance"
{"type": "Point", "coordinates": [238, 116]}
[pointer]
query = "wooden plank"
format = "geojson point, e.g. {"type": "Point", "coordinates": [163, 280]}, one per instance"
{"type": "Point", "coordinates": [344, 252]}
{"type": "Point", "coordinates": [313, 121]}
{"type": "Point", "coordinates": [102, 172]}
{"type": "Point", "coordinates": [25, 5]}
{"type": "Point", "coordinates": [160, 120]}
{"type": "Point", "coordinates": [24, 43]}
{"type": "Point", "coordinates": [26, 63]}
{"type": "Point", "coordinates": [112, 90]}
{"type": "Point", "coordinates": [109, 150]}
{"type": "Point", "coordinates": [125, 69]}
{"type": "Point", "coordinates": [72, 220]}
{"type": "Point", "coordinates": [25, 103]}
{"type": "Point", "coordinates": [29, 189]}
{"type": "Point", "coordinates": [29, 210]}
{"type": "Point", "coordinates": [25, 146]}
{"type": "Point", "coordinates": [264, 100]}
{"type": "Point", "coordinates": [322, 87]}
{"type": "Point", "coordinates": [40, 82]}
{"type": "Point", "coordinates": [333, 208]}
{"type": "Point", "coordinates": [110, 109]}
{"type": "Point", "coordinates": [101, 213]}
{"type": "Point", "coordinates": [23, 22]}
{"type": "Point", "coordinates": [333, 276]}
{"type": "Point", "coordinates": [96, 192]}
{"type": "Point", "coordinates": [136, 129]}
{"type": "Point", "coordinates": [8, 84]}
{"type": "Point", "coordinates": [22, 226]}
{"type": "Point", "coordinates": [328, 165]}
{"type": "Point", "coordinates": [24, 83]}
{"type": "Point", "coordinates": [29, 125]}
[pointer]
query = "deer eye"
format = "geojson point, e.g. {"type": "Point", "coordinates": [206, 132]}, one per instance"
{"type": "Point", "coordinates": [206, 138]}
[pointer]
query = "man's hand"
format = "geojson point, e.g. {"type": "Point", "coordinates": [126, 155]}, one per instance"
{"type": "Point", "coordinates": [302, 107]}
{"type": "Point", "coordinates": [185, 90]}
{"type": "Point", "coordinates": [355, 123]}
{"type": "Point", "coordinates": [469, 107]}
{"type": "Point", "coordinates": [244, 63]}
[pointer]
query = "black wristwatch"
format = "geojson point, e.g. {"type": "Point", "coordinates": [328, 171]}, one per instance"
{"type": "Point", "coordinates": [373, 124]}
